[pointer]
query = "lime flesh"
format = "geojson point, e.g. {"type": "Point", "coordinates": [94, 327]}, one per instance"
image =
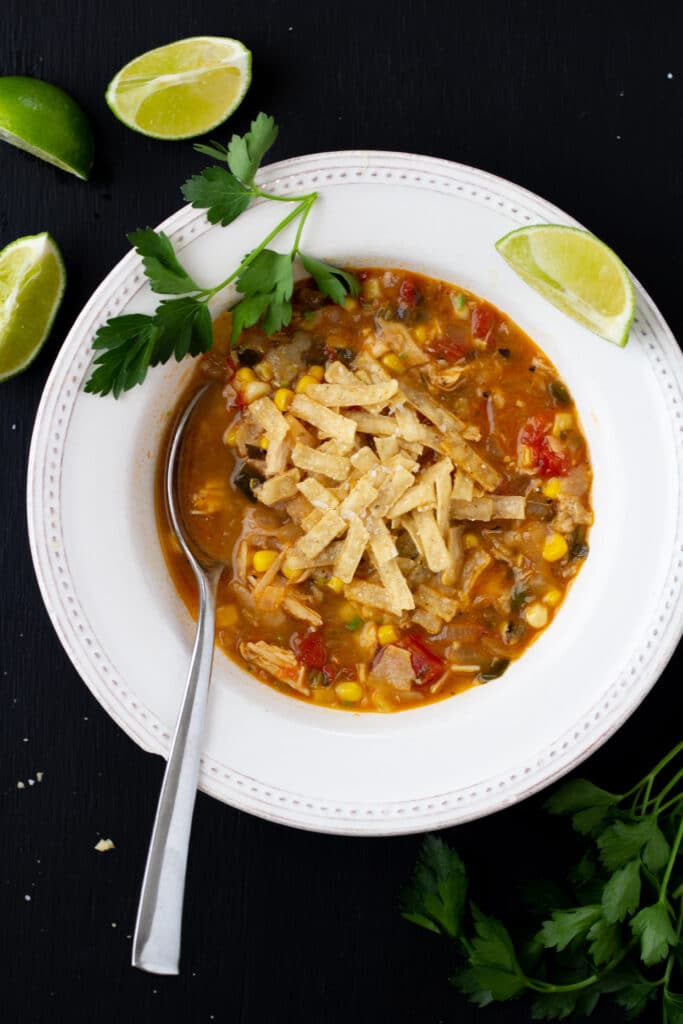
{"type": "Point", "coordinates": [32, 280]}
{"type": "Point", "coordinates": [577, 273]}
{"type": "Point", "coordinates": [183, 89]}
{"type": "Point", "coordinates": [44, 120]}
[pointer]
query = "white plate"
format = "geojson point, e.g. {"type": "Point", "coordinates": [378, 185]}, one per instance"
{"type": "Point", "coordinates": [100, 569]}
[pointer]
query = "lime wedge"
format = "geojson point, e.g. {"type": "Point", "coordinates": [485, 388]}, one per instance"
{"type": "Point", "coordinates": [32, 280]}
{"type": "Point", "coordinates": [47, 122]}
{"type": "Point", "coordinates": [182, 89]}
{"type": "Point", "coordinates": [577, 273]}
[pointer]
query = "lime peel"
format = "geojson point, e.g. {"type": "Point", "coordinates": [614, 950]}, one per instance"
{"type": "Point", "coordinates": [577, 272]}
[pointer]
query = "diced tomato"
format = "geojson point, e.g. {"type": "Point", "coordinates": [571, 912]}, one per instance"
{"type": "Point", "coordinates": [330, 671]}
{"type": "Point", "coordinates": [535, 435]}
{"type": "Point", "coordinates": [445, 348]}
{"type": "Point", "coordinates": [482, 321]}
{"type": "Point", "coordinates": [408, 293]}
{"type": "Point", "coordinates": [231, 367]}
{"type": "Point", "coordinates": [310, 649]}
{"type": "Point", "coordinates": [427, 666]}
{"type": "Point", "coordinates": [240, 402]}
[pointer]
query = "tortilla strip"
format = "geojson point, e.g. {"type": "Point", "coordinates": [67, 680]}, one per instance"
{"type": "Point", "coordinates": [324, 531]}
{"type": "Point", "coordinates": [328, 556]}
{"type": "Point", "coordinates": [269, 575]}
{"type": "Point", "coordinates": [477, 510]}
{"type": "Point", "coordinates": [329, 423]}
{"type": "Point", "coordinates": [435, 550]}
{"type": "Point", "coordinates": [510, 506]}
{"type": "Point", "coordinates": [475, 563]}
{"type": "Point", "coordinates": [466, 458]}
{"type": "Point", "coordinates": [274, 425]}
{"type": "Point", "coordinates": [446, 422]}
{"type": "Point", "coordinates": [406, 523]}
{"type": "Point", "coordinates": [337, 373]}
{"type": "Point", "coordinates": [394, 582]}
{"type": "Point", "coordinates": [430, 623]}
{"type": "Point", "coordinates": [463, 488]}
{"type": "Point", "coordinates": [411, 429]}
{"type": "Point", "coordinates": [311, 520]}
{"type": "Point", "coordinates": [421, 495]}
{"type": "Point", "coordinates": [336, 467]}
{"type": "Point", "coordinates": [439, 474]}
{"type": "Point", "coordinates": [298, 508]}
{"type": "Point", "coordinates": [319, 496]}
{"type": "Point", "coordinates": [279, 488]}
{"type": "Point", "coordinates": [397, 485]}
{"type": "Point", "coordinates": [450, 576]}
{"type": "Point", "coordinates": [333, 446]}
{"type": "Point", "coordinates": [386, 447]}
{"type": "Point", "coordinates": [353, 394]}
{"type": "Point", "coordinates": [436, 602]}
{"type": "Point", "coordinates": [352, 549]}
{"type": "Point", "coordinates": [364, 459]}
{"type": "Point", "coordinates": [371, 594]}
{"type": "Point", "coordinates": [369, 366]}
{"type": "Point", "coordinates": [362, 494]}
{"type": "Point", "coordinates": [373, 423]}
{"type": "Point", "coordinates": [381, 542]}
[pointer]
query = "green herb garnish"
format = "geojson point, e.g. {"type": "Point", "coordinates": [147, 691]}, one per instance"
{"type": "Point", "coordinates": [127, 346]}
{"type": "Point", "coordinates": [355, 623]}
{"type": "Point", "coordinates": [612, 930]}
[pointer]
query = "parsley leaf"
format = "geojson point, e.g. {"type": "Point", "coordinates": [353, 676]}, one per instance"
{"type": "Point", "coordinates": [183, 325]}
{"type": "Point", "coordinates": [657, 850]}
{"type": "Point", "coordinates": [588, 804]}
{"type": "Point", "coordinates": [124, 346]}
{"type": "Point", "coordinates": [246, 152]}
{"type": "Point", "coordinates": [435, 900]}
{"type": "Point", "coordinates": [219, 193]}
{"type": "Point", "coordinates": [493, 972]}
{"type": "Point", "coordinates": [624, 840]}
{"type": "Point", "coordinates": [560, 1005]}
{"type": "Point", "coordinates": [621, 894]}
{"type": "Point", "coordinates": [673, 1002]}
{"type": "Point", "coordinates": [268, 283]}
{"type": "Point", "coordinates": [605, 941]}
{"type": "Point", "coordinates": [332, 282]}
{"type": "Point", "coordinates": [652, 925]}
{"type": "Point", "coordinates": [566, 925]}
{"type": "Point", "coordinates": [214, 149]}
{"type": "Point", "coordinates": [165, 273]}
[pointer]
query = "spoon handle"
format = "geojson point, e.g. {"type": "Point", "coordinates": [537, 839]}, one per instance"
{"type": "Point", "coordinates": [156, 943]}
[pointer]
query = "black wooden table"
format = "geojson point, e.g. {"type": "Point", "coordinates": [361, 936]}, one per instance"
{"type": "Point", "coordinates": [580, 102]}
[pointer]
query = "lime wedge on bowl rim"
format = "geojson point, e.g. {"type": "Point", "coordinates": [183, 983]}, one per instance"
{"type": "Point", "coordinates": [44, 120]}
{"type": "Point", "coordinates": [577, 273]}
{"type": "Point", "coordinates": [32, 280]}
{"type": "Point", "coordinates": [182, 89]}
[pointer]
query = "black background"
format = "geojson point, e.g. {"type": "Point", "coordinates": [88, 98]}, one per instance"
{"type": "Point", "coordinates": [579, 102]}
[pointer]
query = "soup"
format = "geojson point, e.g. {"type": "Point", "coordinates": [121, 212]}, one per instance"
{"type": "Point", "coordinates": [400, 488]}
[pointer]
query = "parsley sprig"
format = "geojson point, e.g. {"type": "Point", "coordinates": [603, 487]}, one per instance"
{"type": "Point", "coordinates": [127, 346]}
{"type": "Point", "coordinates": [613, 929]}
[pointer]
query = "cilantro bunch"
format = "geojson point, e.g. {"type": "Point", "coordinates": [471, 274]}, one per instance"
{"type": "Point", "coordinates": [128, 345]}
{"type": "Point", "coordinates": [613, 929]}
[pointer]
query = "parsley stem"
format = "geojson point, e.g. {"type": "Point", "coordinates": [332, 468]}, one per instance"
{"type": "Point", "coordinates": [300, 228]}
{"type": "Point", "coordinates": [545, 986]}
{"type": "Point", "coordinates": [665, 790]}
{"type": "Point", "coordinates": [672, 956]}
{"type": "Point", "coordinates": [209, 292]}
{"type": "Point", "coordinates": [309, 197]}
{"type": "Point", "coordinates": [674, 752]}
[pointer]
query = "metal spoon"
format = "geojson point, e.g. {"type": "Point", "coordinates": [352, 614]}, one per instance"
{"type": "Point", "coordinates": [156, 943]}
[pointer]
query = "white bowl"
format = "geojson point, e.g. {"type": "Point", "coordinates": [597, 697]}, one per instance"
{"type": "Point", "coordinates": [105, 585]}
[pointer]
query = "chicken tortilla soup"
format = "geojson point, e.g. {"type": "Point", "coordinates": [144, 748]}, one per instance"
{"type": "Point", "coordinates": [400, 488]}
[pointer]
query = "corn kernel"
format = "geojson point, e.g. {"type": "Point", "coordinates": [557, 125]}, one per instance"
{"type": "Point", "coordinates": [264, 370]}
{"type": "Point", "coordinates": [349, 693]}
{"type": "Point", "coordinates": [304, 383]}
{"type": "Point", "coordinates": [470, 541]}
{"type": "Point", "coordinates": [255, 389]}
{"type": "Point", "coordinates": [227, 616]}
{"type": "Point", "coordinates": [335, 584]}
{"type": "Point", "coordinates": [347, 612]}
{"type": "Point", "coordinates": [552, 487]}
{"type": "Point", "coordinates": [244, 375]}
{"type": "Point", "coordinates": [262, 560]}
{"type": "Point", "coordinates": [230, 437]}
{"type": "Point", "coordinates": [393, 362]}
{"type": "Point", "coordinates": [263, 443]}
{"type": "Point", "coordinates": [421, 333]}
{"type": "Point", "coordinates": [350, 304]}
{"type": "Point", "coordinates": [291, 574]}
{"type": "Point", "coordinates": [387, 635]}
{"type": "Point", "coordinates": [563, 422]}
{"type": "Point", "coordinates": [316, 371]}
{"type": "Point", "coordinates": [536, 615]}
{"type": "Point", "coordinates": [555, 548]}
{"type": "Point", "coordinates": [372, 288]}
{"type": "Point", "coordinates": [553, 597]}
{"type": "Point", "coordinates": [283, 398]}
